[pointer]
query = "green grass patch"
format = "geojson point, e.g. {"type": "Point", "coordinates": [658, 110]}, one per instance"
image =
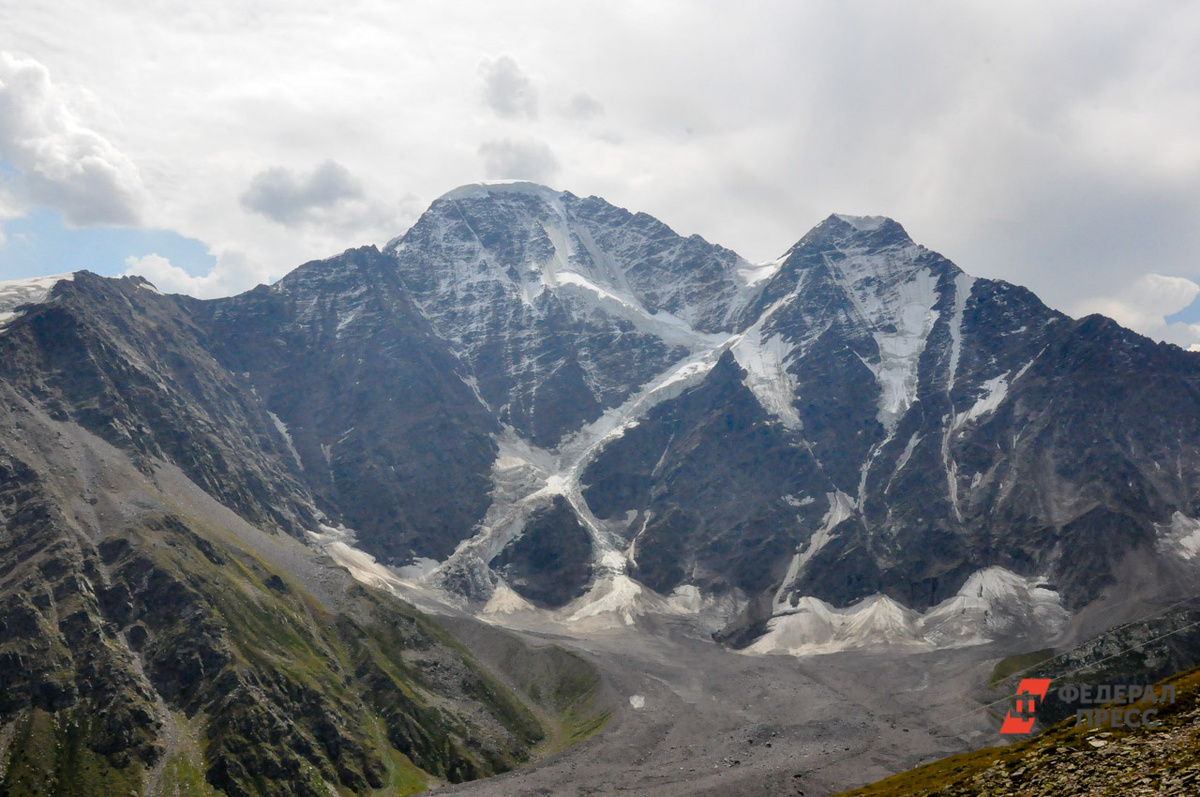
{"type": "Point", "coordinates": [403, 776]}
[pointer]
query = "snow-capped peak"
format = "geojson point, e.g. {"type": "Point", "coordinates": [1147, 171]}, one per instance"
{"type": "Point", "coordinates": [486, 188]}
{"type": "Point", "coordinates": [863, 223]}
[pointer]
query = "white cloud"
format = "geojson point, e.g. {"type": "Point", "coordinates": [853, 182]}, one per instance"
{"type": "Point", "coordinates": [231, 275]}
{"type": "Point", "coordinates": [1050, 144]}
{"type": "Point", "coordinates": [507, 90]}
{"type": "Point", "coordinates": [290, 199]}
{"type": "Point", "coordinates": [518, 160]}
{"type": "Point", "coordinates": [1144, 306]}
{"type": "Point", "coordinates": [62, 163]}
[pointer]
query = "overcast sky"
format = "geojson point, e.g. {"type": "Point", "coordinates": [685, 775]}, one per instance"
{"type": "Point", "coordinates": [213, 146]}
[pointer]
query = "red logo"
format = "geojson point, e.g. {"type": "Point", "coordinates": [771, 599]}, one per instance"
{"type": "Point", "coordinates": [1030, 694]}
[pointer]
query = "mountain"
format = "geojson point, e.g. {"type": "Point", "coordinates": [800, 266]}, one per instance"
{"type": "Point", "coordinates": [545, 410]}
{"type": "Point", "coordinates": [164, 628]}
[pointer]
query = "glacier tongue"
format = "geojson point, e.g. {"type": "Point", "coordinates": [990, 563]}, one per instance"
{"type": "Point", "coordinates": [526, 477]}
{"type": "Point", "coordinates": [993, 602]}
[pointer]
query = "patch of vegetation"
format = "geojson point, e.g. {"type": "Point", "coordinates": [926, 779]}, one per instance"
{"type": "Point", "coordinates": [49, 757]}
{"type": "Point", "coordinates": [1055, 761]}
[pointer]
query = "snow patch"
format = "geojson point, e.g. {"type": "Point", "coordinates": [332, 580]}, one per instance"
{"type": "Point", "coordinates": [1180, 537]}
{"type": "Point", "coordinates": [993, 602]}
{"type": "Point", "coordinates": [841, 507]}
{"type": "Point", "coordinates": [637, 701]}
{"type": "Point", "coordinates": [963, 285]}
{"type": "Point", "coordinates": [617, 600]}
{"type": "Point", "coordinates": [895, 301]}
{"type": "Point", "coordinates": [339, 544]}
{"type": "Point", "coordinates": [995, 390]}
{"type": "Point", "coordinates": [765, 363]}
{"type": "Point", "coordinates": [33, 290]}
{"type": "Point", "coordinates": [486, 188]}
{"type": "Point", "coordinates": [813, 626]}
{"type": "Point", "coordinates": [907, 453]}
{"type": "Point", "coordinates": [281, 427]}
{"type": "Point", "coordinates": [863, 223]}
{"type": "Point", "coordinates": [750, 276]}
{"type": "Point", "coordinates": [347, 319]}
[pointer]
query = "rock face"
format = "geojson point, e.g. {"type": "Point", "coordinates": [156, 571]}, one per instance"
{"type": "Point", "coordinates": [561, 306]}
{"type": "Point", "coordinates": [372, 408]}
{"type": "Point", "coordinates": [536, 400]}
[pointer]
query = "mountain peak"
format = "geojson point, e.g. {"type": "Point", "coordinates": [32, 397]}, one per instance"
{"type": "Point", "coordinates": [863, 223]}
{"type": "Point", "coordinates": [488, 188]}
{"type": "Point", "coordinates": [879, 230]}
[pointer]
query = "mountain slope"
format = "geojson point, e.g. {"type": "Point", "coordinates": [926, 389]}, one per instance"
{"type": "Point", "coordinates": [129, 365]}
{"type": "Point", "coordinates": [151, 638]}
{"type": "Point", "coordinates": [386, 433]}
{"type": "Point", "coordinates": [1066, 760]}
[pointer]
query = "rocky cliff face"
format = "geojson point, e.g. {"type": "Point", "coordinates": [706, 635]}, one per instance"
{"type": "Point", "coordinates": [131, 366]}
{"type": "Point", "coordinates": [376, 415]}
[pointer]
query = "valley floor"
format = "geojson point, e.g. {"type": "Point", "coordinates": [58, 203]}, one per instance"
{"type": "Point", "coordinates": [693, 718]}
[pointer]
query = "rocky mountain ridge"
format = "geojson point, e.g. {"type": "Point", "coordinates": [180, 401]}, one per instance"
{"type": "Point", "coordinates": [532, 402]}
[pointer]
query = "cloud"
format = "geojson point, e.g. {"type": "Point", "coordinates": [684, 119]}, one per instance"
{"type": "Point", "coordinates": [505, 159]}
{"type": "Point", "coordinates": [583, 106]}
{"type": "Point", "coordinates": [1056, 145]}
{"type": "Point", "coordinates": [62, 164]}
{"type": "Point", "coordinates": [507, 90]}
{"type": "Point", "coordinates": [290, 199]}
{"type": "Point", "coordinates": [231, 275]}
{"type": "Point", "coordinates": [1145, 304]}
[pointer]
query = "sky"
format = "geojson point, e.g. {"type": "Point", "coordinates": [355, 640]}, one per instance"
{"type": "Point", "coordinates": [212, 147]}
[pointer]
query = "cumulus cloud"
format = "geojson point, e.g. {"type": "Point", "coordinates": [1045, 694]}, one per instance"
{"type": "Point", "coordinates": [290, 199]}
{"type": "Point", "coordinates": [231, 275]}
{"type": "Point", "coordinates": [506, 159]}
{"type": "Point", "coordinates": [1145, 304]}
{"type": "Point", "coordinates": [63, 164]}
{"type": "Point", "coordinates": [507, 90]}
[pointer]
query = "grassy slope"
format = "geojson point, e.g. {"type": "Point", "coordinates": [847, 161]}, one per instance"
{"type": "Point", "coordinates": [288, 696]}
{"type": "Point", "coordinates": [1066, 760]}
